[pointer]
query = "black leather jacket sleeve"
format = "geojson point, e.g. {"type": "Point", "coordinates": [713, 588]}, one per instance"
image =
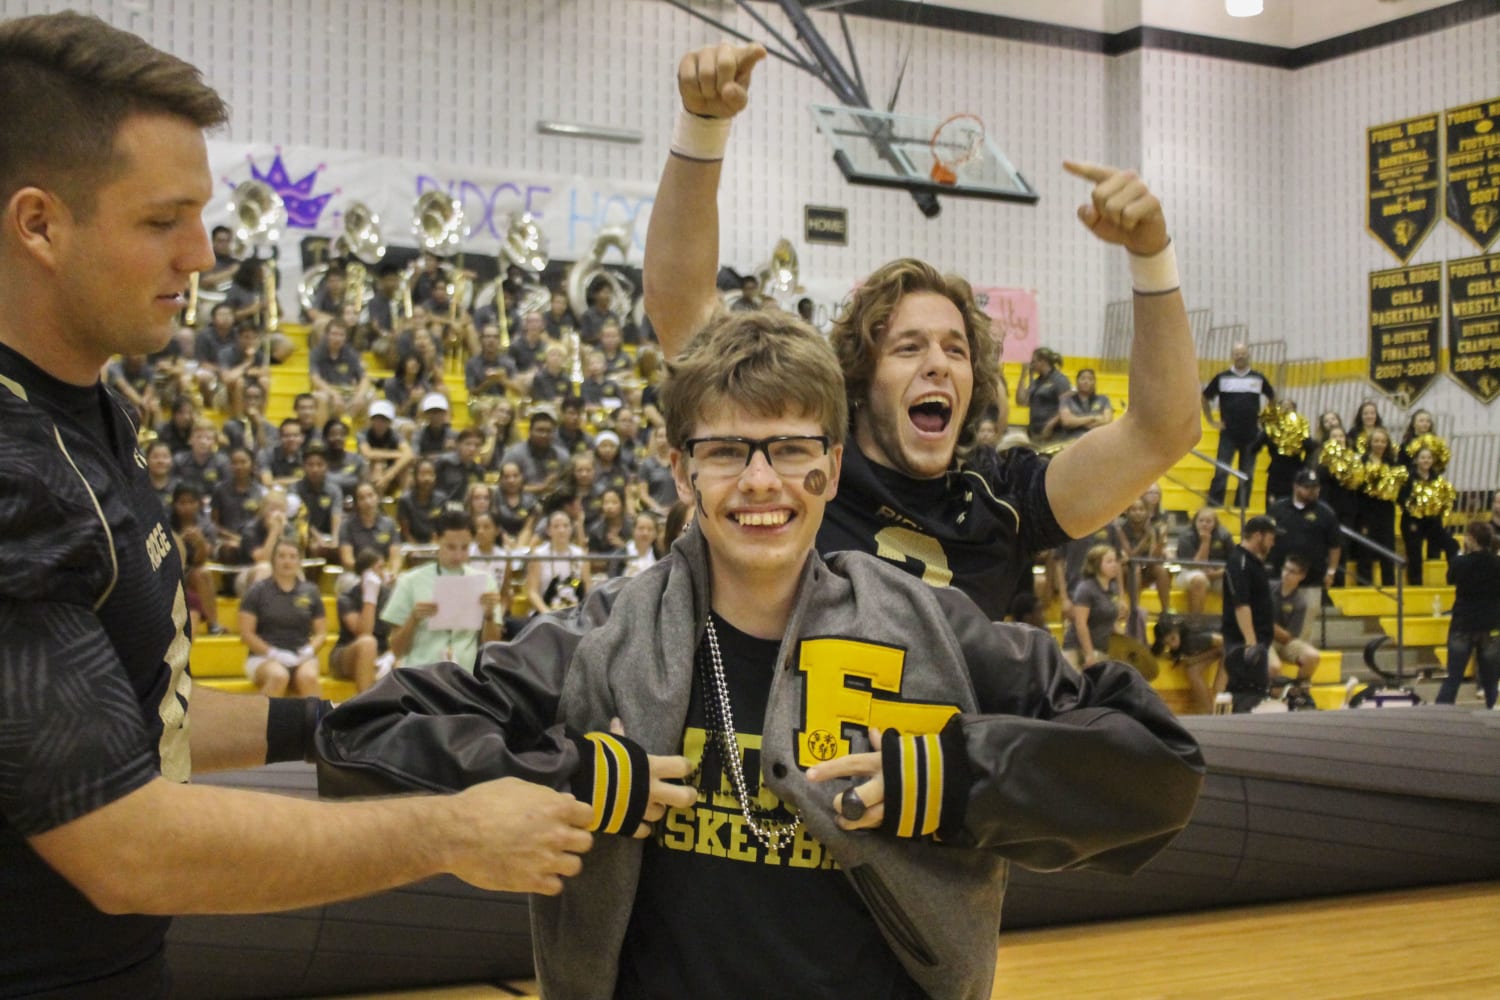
{"type": "Point", "coordinates": [439, 728]}
{"type": "Point", "coordinates": [1067, 769]}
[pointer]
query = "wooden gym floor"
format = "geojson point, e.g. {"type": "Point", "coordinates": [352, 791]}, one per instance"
{"type": "Point", "coordinates": [1432, 944]}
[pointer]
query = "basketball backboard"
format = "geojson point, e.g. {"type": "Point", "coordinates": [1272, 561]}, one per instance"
{"type": "Point", "coordinates": [899, 151]}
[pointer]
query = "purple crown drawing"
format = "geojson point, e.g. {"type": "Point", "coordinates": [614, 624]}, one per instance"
{"type": "Point", "coordinates": [302, 208]}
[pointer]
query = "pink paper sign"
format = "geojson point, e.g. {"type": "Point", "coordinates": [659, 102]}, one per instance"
{"type": "Point", "coordinates": [1013, 315]}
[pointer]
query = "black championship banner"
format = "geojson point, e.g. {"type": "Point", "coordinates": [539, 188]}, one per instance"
{"type": "Point", "coordinates": [1406, 322]}
{"type": "Point", "coordinates": [1474, 325]}
{"type": "Point", "coordinates": [1472, 171]}
{"type": "Point", "coordinates": [1403, 183]}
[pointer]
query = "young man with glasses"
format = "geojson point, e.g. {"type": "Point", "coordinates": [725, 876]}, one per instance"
{"type": "Point", "coordinates": [867, 753]}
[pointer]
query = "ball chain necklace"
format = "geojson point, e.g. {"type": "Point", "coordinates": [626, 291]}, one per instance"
{"type": "Point", "coordinates": [773, 834]}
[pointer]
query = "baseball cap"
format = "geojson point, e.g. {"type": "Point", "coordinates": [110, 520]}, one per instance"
{"type": "Point", "coordinates": [382, 408]}
{"type": "Point", "coordinates": [1261, 523]}
{"type": "Point", "coordinates": [434, 401]}
{"type": "Point", "coordinates": [1306, 477]}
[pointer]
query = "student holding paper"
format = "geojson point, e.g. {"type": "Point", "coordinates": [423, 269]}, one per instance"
{"type": "Point", "coordinates": [437, 615]}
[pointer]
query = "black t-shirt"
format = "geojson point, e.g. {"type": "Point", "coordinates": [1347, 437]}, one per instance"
{"type": "Point", "coordinates": [1246, 582]}
{"type": "Point", "coordinates": [718, 915]}
{"type": "Point", "coordinates": [1476, 596]}
{"type": "Point", "coordinates": [979, 533]}
{"type": "Point", "coordinates": [418, 518]}
{"type": "Point", "coordinates": [1310, 532]}
{"type": "Point", "coordinates": [94, 642]}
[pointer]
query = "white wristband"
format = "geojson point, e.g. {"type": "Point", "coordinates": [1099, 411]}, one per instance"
{"type": "Point", "coordinates": [1156, 274]}
{"type": "Point", "coordinates": [698, 138]}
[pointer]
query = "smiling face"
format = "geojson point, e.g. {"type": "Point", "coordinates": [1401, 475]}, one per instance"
{"type": "Point", "coordinates": [760, 526]}
{"type": "Point", "coordinates": [122, 272]}
{"type": "Point", "coordinates": [920, 392]}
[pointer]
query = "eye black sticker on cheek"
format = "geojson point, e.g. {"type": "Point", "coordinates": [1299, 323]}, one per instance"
{"type": "Point", "coordinates": [697, 494]}
{"type": "Point", "coordinates": [815, 482]}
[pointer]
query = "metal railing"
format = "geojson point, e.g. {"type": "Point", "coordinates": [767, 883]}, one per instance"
{"type": "Point", "coordinates": [1399, 562]}
{"type": "Point", "coordinates": [1235, 474]}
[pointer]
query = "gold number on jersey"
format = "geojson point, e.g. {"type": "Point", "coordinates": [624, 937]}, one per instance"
{"type": "Point", "coordinates": [903, 545]}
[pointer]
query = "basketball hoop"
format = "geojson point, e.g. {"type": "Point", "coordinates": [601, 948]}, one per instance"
{"type": "Point", "coordinates": [956, 142]}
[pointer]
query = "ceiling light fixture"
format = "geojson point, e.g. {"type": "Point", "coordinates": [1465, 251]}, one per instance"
{"type": "Point", "coordinates": [1243, 8]}
{"type": "Point", "coordinates": [574, 130]}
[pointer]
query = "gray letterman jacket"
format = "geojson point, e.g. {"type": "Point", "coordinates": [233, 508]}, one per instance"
{"type": "Point", "coordinates": [1042, 765]}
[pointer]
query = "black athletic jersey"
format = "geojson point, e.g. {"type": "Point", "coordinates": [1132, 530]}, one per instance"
{"type": "Point", "coordinates": [93, 672]}
{"type": "Point", "coordinates": [979, 532]}
{"type": "Point", "coordinates": [719, 915]}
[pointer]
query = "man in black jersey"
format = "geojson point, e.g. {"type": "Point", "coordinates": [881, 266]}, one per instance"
{"type": "Point", "coordinates": [103, 180]}
{"type": "Point", "coordinates": [922, 367]}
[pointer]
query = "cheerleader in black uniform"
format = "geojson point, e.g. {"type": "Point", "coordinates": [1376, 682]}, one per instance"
{"type": "Point", "coordinates": [1366, 419]}
{"type": "Point", "coordinates": [1425, 500]}
{"type": "Point", "coordinates": [1340, 471]}
{"type": "Point", "coordinates": [1384, 476]}
{"type": "Point", "coordinates": [1421, 433]}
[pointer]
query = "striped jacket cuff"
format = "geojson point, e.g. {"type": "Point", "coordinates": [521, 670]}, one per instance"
{"type": "Point", "coordinates": [926, 784]}
{"type": "Point", "coordinates": [614, 777]}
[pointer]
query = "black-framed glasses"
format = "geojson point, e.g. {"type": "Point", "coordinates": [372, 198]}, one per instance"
{"type": "Point", "coordinates": [789, 454]}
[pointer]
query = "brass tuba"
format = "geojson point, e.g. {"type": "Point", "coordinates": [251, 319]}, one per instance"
{"type": "Point", "coordinates": [525, 247]}
{"type": "Point", "coordinates": [438, 224]}
{"type": "Point", "coordinates": [259, 213]}
{"type": "Point", "coordinates": [359, 244]}
{"type": "Point", "coordinates": [583, 274]}
{"type": "Point", "coordinates": [778, 276]}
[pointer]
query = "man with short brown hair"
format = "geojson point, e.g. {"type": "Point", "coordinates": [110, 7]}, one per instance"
{"type": "Point", "coordinates": [103, 180]}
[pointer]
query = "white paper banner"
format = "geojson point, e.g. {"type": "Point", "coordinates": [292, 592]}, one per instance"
{"type": "Point", "coordinates": [318, 184]}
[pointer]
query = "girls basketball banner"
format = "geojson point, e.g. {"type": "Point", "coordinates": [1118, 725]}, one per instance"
{"type": "Point", "coordinates": [1406, 320]}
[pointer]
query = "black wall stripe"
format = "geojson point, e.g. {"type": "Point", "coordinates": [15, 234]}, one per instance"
{"type": "Point", "coordinates": [1083, 40]}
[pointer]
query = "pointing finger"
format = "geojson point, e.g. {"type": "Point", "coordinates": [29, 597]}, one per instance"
{"type": "Point", "coordinates": [1088, 171]}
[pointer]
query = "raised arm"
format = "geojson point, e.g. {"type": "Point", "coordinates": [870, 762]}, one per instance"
{"type": "Point", "coordinates": [682, 241]}
{"type": "Point", "coordinates": [1161, 424]}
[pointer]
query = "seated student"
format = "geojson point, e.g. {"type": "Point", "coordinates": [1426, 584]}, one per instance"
{"type": "Point", "coordinates": [362, 652]}
{"type": "Point", "coordinates": [418, 508]}
{"type": "Point", "coordinates": [1082, 409]}
{"type": "Point", "coordinates": [385, 451]}
{"type": "Point", "coordinates": [196, 541]}
{"type": "Point", "coordinates": [283, 623]}
{"type": "Point", "coordinates": [1205, 541]}
{"type": "Point", "coordinates": [366, 527]}
{"type": "Point", "coordinates": [869, 750]}
{"type": "Point", "coordinates": [340, 385]}
{"type": "Point", "coordinates": [346, 468]}
{"type": "Point", "coordinates": [202, 466]}
{"type": "Point", "coordinates": [1195, 648]}
{"type": "Point", "coordinates": [459, 469]}
{"type": "Point", "coordinates": [1287, 611]}
{"type": "Point", "coordinates": [557, 576]}
{"type": "Point", "coordinates": [235, 504]}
